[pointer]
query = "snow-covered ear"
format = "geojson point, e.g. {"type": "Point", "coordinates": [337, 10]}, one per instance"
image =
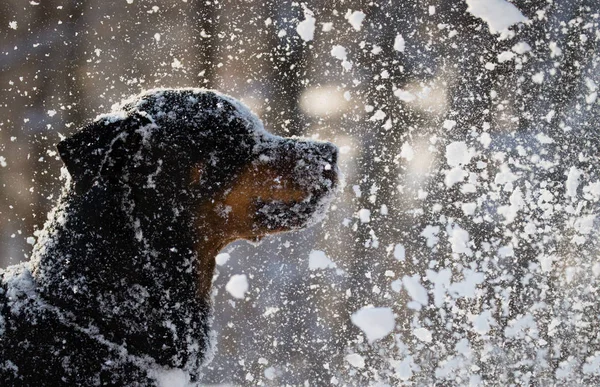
{"type": "Point", "coordinates": [85, 152]}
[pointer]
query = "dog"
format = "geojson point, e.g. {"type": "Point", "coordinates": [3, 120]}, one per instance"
{"type": "Point", "coordinates": [118, 290]}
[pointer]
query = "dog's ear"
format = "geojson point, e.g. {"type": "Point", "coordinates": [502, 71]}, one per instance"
{"type": "Point", "coordinates": [85, 151]}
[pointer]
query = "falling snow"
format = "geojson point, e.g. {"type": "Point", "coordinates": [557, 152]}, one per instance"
{"type": "Point", "coordinates": [306, 28]}
{"type": "Point", "coordinates": [463, 247]}
{"type": "Point", "coordinates": [237, 285]}
{"type": "Point", "coordinates": [498, 14]}
{"type": "Point", "coordinates": [376, 323]}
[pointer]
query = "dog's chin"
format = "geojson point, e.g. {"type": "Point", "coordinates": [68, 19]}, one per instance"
{"type": "Point", "coordinates": [279, 216]}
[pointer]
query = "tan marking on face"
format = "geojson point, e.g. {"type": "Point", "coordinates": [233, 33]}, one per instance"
{"type": "Point", "coordinates": [258, 182]}
{"type": "Point", "coordinates": [226, 219]}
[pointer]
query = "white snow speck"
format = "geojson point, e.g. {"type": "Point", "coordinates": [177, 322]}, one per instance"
{"type": "Point", "coordinates": [449, 124]}
{"type": "Point", "coordinates": [441, 282]}
{"type": "Point", "coordinates": [521, 48]}
{"type": "Point", "coordinates": [468, 287]}
{"type": "Point", "coordinates": [546, 262]}
{"type": "Point", "coordinates": [430, 234]}
{"type": "Point", "coordinates": [403, 368]}
{"type": "Point", "coordinates": [317, 259]}
{"type": "Point", "coordinates": [415, 290]}
{"type": "Point", "coordinates": [455, 175]}
{"type": "Point", "coordinates": [355, 360]}
{"type": "Point", "coordinates": [407, 152]}
{"type": "Point", "coordinates": [13, 25]}
{"type": "Point", "coordinates": [378, 116]}
{"type": "Point", "coordinates": [469, 208]}
{"type": "Point", "coordinates": [481, 322]}
{"type": "Point", "coordinates": [404, 95]}
{"type": "Point", "coordinates": [383, 210]}
{"type": "Point", "coordinates": [51, 113]}
{"type": "Point", "coordinates": [399, 252]}
{"type": "Point", "coordinates": [592, 365]}
{"type": "Point", "coordinates": [339, 52]}
{"type": "Point", "coordinates": [171, 378]}
{"type": "Point", "coordinates": [498, 14]}
{"type": "Point", "coordinates": [457, 153]}
{"type": "Point", "coordinates": [516, 203]}
{"type": "Point", "coordinates": [573, 181]}
{"type": "Point", "coordinates": [306, 28]}
{"type": "Point", "coordinates": [591, 191]}
{"type": "Point", "coordinates": [555, 51]}
{"type": "Point", "coordinates": [222, 258]}
{"type": "Point", "coordinates": [157, 37]}
{"type": "Point", "coordinates": [355, 19]}
{"type": "Point", "coordinates": [237, 285]}
{"type": "Point", "coordinates": [364, 215]}
{"type": "Point", "coordinates": [538, 78]}
{"type": "Point", "coordinates": [585, 224]}
{"type": "Point", "coordinates": [376, 323]}
{"type": "Point", "coordinates": [399, 43]}
{"type": "Point", "coordinates": [591, 98]}
{"type": "Point", "coordinates": [3, 162]}
{"type": "Point", "coordinates": [485, 139]}
{"type": "Point", "coordinates": [459, 240]}
{"type": "Point", "coordinates": [423, 334]}
{"type": "Point", "coordinates": [270, 373]}
{"type": "Point", "coordinates": [176, 64]}
{"type": "Point", "coordinates": [505, 177]}
{"type": "Point", "coordinates": [505, 56]}
{"type": "Point", "coordinates": [30, 241]}
{"type": "Point", "coordinates": [506, 251]}
{"type": "Point", "coordinates": [520, 326]}
{"type": "Point", "coordinates": [543, 139]}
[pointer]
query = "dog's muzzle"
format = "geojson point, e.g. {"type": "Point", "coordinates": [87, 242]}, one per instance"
{"type": "Point", "coordinates": [312, 169]}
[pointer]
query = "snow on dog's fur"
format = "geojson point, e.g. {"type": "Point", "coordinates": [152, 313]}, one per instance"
{"type": "Point", "coordinates": [118, 291]}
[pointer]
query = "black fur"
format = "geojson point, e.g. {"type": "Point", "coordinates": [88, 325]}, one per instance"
{"type": "Point", "coordinates": [111, 296]}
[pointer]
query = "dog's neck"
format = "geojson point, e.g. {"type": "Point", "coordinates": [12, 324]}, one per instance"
{"type": "Point", "coordinates": [214, 232]}
{"type": "Point", "coordinates": [207, 247]}
{"type": "Point", "coordinates": [143, 281]}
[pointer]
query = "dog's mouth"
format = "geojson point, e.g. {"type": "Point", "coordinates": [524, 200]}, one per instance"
{"type": "Point", "coordinates": [279, 215]}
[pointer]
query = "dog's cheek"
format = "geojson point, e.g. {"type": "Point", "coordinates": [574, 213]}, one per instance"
{"type": "Point", "coordinates": [224, 211]}
{"type": "Point", "coordinates": [278, 216]}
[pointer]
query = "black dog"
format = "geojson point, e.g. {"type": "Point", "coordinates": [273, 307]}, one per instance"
{"type": "Point", "coordinates": [118, 291]}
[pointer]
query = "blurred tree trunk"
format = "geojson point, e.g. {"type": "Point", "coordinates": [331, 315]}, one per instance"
{"type": "Point", "coordinates": [290, 62]}
{"type": "Point", "coordinates": [206, 44]}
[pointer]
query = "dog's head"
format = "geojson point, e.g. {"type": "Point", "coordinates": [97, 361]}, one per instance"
{"type": "Point", "coordinates": [205, 151]}
{"type": "Point", "coordinates": [287, 185]}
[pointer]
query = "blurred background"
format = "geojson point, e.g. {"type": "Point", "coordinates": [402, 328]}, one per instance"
{"type": "Point", "coordinates": [504, 244]}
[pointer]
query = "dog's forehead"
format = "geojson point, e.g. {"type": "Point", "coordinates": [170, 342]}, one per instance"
{"type": "Point", "coordinates": [193, 107]}
{"type": "Point", "coordinates": [275, 146]}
